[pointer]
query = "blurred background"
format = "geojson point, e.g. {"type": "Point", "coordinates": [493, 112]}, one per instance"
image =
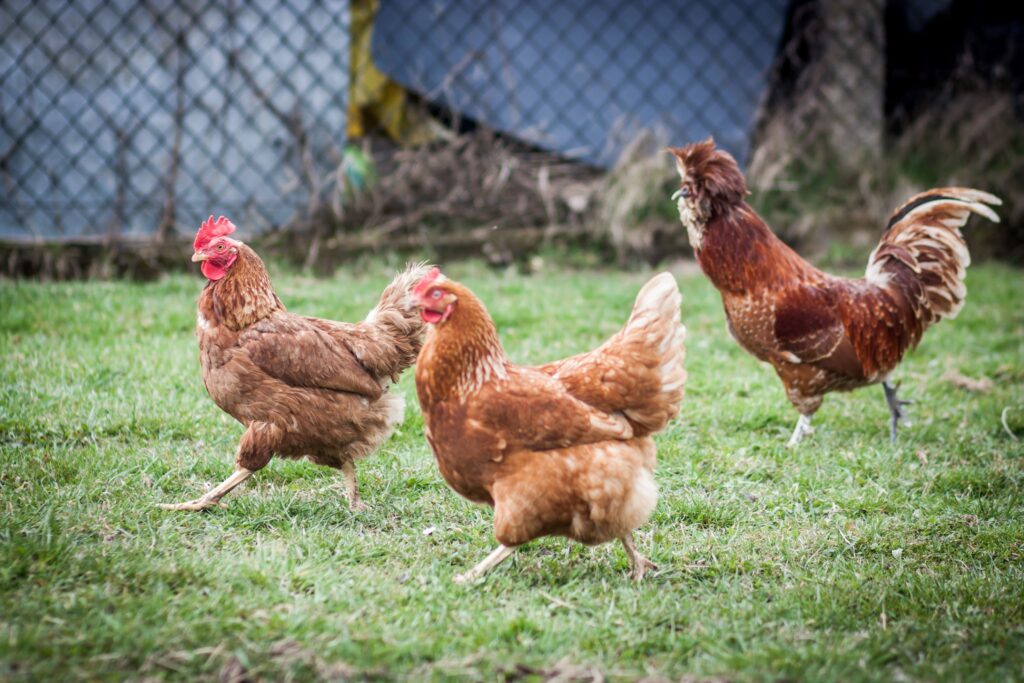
{"type": "Point", "coordinates": [501, 129]}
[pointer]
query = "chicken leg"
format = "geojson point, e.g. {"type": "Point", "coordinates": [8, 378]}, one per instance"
{"type": "Point", "coordinates": [499, 555]}
{"type": "Point", "coordinates": [895, 409]}
{"type": "Point", "coordinates": [212, 497]}
{"type": "Point", "coordinates": [348, 471]}
{"type": "Point", "coordinates": [638, 562]}
{"type": "Point", "coordinates": [803, 428]}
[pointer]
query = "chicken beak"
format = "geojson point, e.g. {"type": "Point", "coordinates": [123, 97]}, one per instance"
{"type": "Point", "coordinates": [677, 194]}
{"type": "Point", "coordinates": [199, 256]}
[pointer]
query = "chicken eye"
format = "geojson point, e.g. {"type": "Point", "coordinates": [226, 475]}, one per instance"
{"type": "Point", "coordinates": [220, 247]}
{"type": "Point", "coordinates": [436, 294]}
{"type": "Point", "coordinates": [684, 191]}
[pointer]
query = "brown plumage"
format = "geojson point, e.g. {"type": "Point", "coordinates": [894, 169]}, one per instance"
{"type": "Point", "coordinates": [823, 333]}
{"type": "Point", "coordinates": [561, 449]}
{"type": "Point", "coordinates": [303, 387]}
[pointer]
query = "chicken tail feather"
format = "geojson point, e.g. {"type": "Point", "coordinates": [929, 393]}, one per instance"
{"type": "Point", "coordinates": [397, 296]}
{"type": "Point", "coordinates": [655, 336]}
{"type": "Point", "coordinates": [397, 329]}
{"type": "Point", "coordinates": [924, 254]}
{"type": "Point", "coordinates": [639, 372]}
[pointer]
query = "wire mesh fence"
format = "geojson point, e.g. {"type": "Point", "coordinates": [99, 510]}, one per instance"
{"type": "Point", "coordinates": [133, 119]}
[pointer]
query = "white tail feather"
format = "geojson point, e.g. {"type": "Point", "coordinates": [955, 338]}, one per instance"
{"type": "Point", "coordinates": [924, 236]}
{"type": "Point", "coordinates": [657, 313]}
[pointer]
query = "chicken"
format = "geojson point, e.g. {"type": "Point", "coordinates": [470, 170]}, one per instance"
{"type": "Point", "coordinates": [562, 449]}
{"type": "Point", "coordinates": [301, 386]}
{"type": "Point", "coordinates": [823, 333]}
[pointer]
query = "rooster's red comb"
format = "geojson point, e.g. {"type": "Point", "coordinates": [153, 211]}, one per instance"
{"type": "Point", "coordinates": [211, 229]}
{"type": "Point", "coordinates": [421, 287]}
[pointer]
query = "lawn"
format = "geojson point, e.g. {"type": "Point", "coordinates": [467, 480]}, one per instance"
{"type": "Point", "coordinates": [846, 559]}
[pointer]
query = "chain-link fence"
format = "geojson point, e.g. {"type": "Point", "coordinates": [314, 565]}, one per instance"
{"type": "Point", "coordinates": [136, 117]}
{"type": "Point", "coordinates": [128, 118]}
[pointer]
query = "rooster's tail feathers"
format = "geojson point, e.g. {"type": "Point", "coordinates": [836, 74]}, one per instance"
{"type": "Point", "coordinates": [965, 197]}
{"type": "Point", "coordinates": [925, 251]}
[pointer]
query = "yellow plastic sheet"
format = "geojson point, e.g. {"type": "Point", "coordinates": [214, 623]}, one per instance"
{"type": "Point", "coordinates": [375, 102]}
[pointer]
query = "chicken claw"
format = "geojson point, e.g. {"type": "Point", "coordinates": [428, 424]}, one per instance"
{"type": "Point", "coordinates": [638, 562]}
{"type": "Point", "coordinates": [497, 556]}
{"type": "Point", "coordinates": [895, 409]}
{"type": "Point", "coordinates": [803, 428]}
{"type": "Point", "coordinates": [193, 505]}
{"type": "Point", "coordinates": [212, 498]}
{"type": "Point", "coordinates": [348, 471]}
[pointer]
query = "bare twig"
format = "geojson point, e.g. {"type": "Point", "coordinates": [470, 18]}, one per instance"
{"type": "Point", "coordinates": [557, 601]}
{"type": "Point", "coordinates": [522, 237]}
{"type": "Point", "coordinates": [1006, 427]}
{"type": "Point", "coordinates": [475, 179]}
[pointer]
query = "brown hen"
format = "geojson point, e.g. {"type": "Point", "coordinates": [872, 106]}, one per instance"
{"type": "Point", "coordinates": [823, 333]}
{"type": "Point", "coordinates": [562, 449]}
{"type": "Point", "coordinates": [303, 387]}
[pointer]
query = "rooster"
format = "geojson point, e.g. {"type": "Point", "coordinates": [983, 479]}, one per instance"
{"type": "Point", "coordinates": [301, 386]}
{"type": "Point", "coordinates": [561, 449]}
{"type": "Point", "coordinates": [823, 333]}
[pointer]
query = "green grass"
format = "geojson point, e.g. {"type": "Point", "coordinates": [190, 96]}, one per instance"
{"type": "Point", "coordinates": [847, 559]}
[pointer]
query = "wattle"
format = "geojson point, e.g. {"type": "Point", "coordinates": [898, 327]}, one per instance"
{"type": "Point", "coordinates": [213, 270]}
{"type": "Point", "coordinates": [430, 316]}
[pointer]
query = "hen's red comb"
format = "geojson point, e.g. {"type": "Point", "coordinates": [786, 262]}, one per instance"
{"type": "Point", "coordinates": [421, 287]}
{"type": "Point", "coordinates": [211, 229]}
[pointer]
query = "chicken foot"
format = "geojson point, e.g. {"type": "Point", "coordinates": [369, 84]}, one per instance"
{"type": "Point", "coordinates": [497, 556]}
{"type": "Point", "coordinates": [637, 562]}
{"type": "Point", "coordinates": [348, 471]}
{"type": "Point", "coordinates": [212, 497]}
{"type": "Point", "coordinates": [895, 409]}
{"type": "Point", "coordinates": [803, 428]}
